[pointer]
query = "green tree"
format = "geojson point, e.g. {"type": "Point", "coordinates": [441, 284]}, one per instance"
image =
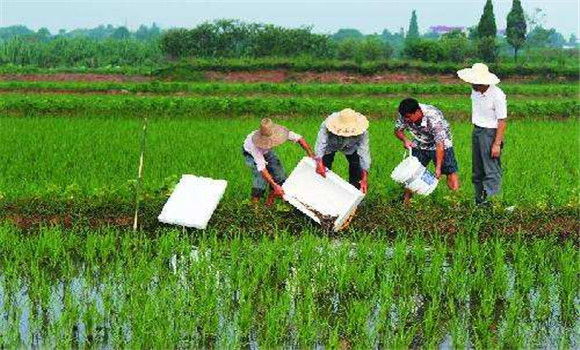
{"type": "Point", "coordinates": [374, 49]}
{"type": "Point", "coordinates": [486, 27]}
{"type": "Point", "coordinates": [540, 37]}
{"type": "Point", "coordinates": [121, 33]}
{"type": "Point", "coordinates": [486, 33]}
{"type": "Point", "coordinates": [413, 32]}
{"type": "Point", "coordinates": [395, 40]}
{"type": "Point", "coordinates": [347, 33]}
{"type": "Point", "coordinates": [516, 27]}
{"type": "Point", "coordinates": [43, 34]}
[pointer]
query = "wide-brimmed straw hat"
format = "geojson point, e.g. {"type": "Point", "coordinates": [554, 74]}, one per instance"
{"type": "Point", "coordinates": [347, 123]}
{"type": "Point", "coordinates": [478, 74]}
{"type": "Point", "coordinates": [270, 134]}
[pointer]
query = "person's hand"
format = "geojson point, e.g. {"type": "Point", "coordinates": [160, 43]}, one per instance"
{"type": "Point", "coordinates": [495, 150]}
{"type": "Point", "coordinates": [407, 144]}
{"type": "Point", "coordinates": [320, 168]}
{"type": "Point", "coordinates": [438, 173]}
{"type": "Point", "coordinates": [364, 185]}
{"type": "Point", "coordinates": [364, 182]}
{"type": "Point", "coordinates": [278, 191]}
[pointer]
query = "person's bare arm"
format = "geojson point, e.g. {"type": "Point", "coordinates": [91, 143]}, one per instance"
{"type": "Point", "coordinates": [496, 146]}
{"type": "Point", "coordinates": [320, 149]}
{"type": "Point", "coordinates": [306, 147]}
{"type": "Point", "coordinates": [400, 134]}
{"type": "Point", "coordinates": [364, 152]}
{"type": "Point", "coordinates": [439, 156]}
{"type": "Point", "coordinates": [277, 189]}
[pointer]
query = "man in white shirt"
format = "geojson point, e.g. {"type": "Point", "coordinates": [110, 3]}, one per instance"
{"type": "Point", "coordinates": [489, 113]}
{"type": "Point", "coordinates": [258, 151]}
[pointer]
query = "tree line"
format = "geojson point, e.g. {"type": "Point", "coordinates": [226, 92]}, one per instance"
{"type": "Point", "coordinates": [150, 45]}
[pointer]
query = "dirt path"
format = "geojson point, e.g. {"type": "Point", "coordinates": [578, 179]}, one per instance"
{"type": "Point", "coordinates": [279, 76]}
{"type": "Point", "coordinates": [270, 76]}
{"type": "Point", "coordinates": [85, 77]}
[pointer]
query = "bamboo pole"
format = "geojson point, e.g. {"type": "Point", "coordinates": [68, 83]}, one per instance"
{"type": "Point", "coordinates": [140, 173]}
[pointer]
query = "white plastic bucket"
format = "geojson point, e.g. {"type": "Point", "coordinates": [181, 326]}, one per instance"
{"type": "Point", "coordinates": [414, 176]}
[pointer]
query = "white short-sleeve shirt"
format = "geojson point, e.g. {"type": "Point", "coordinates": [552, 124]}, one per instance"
{"type": "Point", "coordinates": [488, 107]}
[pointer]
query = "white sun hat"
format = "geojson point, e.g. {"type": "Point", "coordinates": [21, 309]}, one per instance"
{"type": "Point", "coordinates": [478, 74]}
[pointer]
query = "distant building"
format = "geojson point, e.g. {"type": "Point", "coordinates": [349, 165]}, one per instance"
{"type": "Point", "coordinates": [440, 30]}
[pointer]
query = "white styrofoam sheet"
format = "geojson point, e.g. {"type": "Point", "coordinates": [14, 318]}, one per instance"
{"type": "Point", "coordinates": [330, 195]}
{"type": "Point", "coordinates": [193, 201]}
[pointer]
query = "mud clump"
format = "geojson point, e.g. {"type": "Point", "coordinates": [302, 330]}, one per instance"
{"type": "Point", "coordinates": [326, 221]}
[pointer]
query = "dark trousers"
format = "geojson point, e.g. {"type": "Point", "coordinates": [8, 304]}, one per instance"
{"type": "Point", "coordinates": [486, 170]}
{"type": "Point", "coordinates": [354, 168]}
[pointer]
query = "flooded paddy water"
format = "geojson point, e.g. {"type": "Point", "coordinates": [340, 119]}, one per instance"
{"type": "Point", "coordinates": [110, 289]}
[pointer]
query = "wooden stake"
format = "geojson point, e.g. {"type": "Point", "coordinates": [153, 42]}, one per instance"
{"type": "Point", "coordinates": [140, 174]}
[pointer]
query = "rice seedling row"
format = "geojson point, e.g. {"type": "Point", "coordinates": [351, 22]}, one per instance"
{"type": "Point", "coordinates": [238, 89]}
{"type": "Point", "coordinates": [111, 288]}
{"type": "Point", "coordinates": [113, 105]}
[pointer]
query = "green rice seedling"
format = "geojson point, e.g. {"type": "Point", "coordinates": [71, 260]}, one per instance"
{"type": "Point", "coordinates": [357, 317]}
{"type": "Point", "coordinates": [484, 323]}
{"type": "Point", "coordinates": [176, 106]}
{"type": "Point", "coordinates": [104, 176]}
{"type": "Point", "coordinates": [431, 326]}
{"type": "Point", "coordinates": [306, 316]}
{"type": "Point", "coordinates": [524, 265]}
{"type": "Point", "coordinates": [459, 331]}
{"type": "Point", "coordinates": [245, 89]}
{"type": "Point", "coordinates": [406, 326]}
{"type": "Point", "coordinates": [500, 273]}
{"type": "Point", "coordinates": [288, 290]}
{"type": "Point", "coordinates": [511, 334]}
{"type": "Point", "coordinates": [567, 263]}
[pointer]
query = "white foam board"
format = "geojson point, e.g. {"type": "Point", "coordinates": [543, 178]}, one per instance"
{"type": "Point", "coordinates": [193, 201]}
{"type": "Point", "coordinates": [330, 195]}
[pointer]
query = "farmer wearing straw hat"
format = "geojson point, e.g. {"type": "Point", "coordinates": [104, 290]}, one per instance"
{"type": "Point", "coordinates": [263, 161]}
{"type": "Point", "coordinates": [432, 140]}
{"type": "Point", "coordinates": [346, 132]}
{"type": "Point", "coordinates": [488, 115]}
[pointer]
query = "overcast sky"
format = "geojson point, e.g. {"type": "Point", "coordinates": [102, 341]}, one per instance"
{"type": "Point", "coordinates": [326, 16]}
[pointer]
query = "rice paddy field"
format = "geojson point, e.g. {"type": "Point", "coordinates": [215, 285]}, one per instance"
{"type": "Point", "coordinates": [438, 274]}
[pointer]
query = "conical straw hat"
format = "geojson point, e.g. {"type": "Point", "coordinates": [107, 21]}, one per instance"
{"type": "Point", "coordinates": [347, 123]}
{"type": "Point", "coordinates": [270, 134]}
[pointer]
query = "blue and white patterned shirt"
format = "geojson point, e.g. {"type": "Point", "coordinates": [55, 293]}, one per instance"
{"type": "Point", "coordinates": [432, 129]}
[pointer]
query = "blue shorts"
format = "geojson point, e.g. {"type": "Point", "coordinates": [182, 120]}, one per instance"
{"type": "Point", "coordinates": [449, 162]}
